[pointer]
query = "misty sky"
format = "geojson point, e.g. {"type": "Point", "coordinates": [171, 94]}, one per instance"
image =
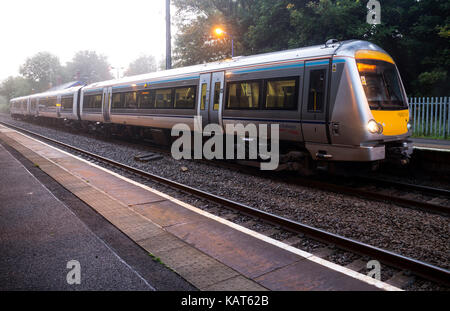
{"type": "Point", "coordinates": [121, 30]}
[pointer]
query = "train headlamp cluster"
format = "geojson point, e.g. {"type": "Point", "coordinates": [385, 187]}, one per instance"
{"type": "Point", "coordinates": [374, 127]}
{"type": "Point", "coordinates": [409, 126]}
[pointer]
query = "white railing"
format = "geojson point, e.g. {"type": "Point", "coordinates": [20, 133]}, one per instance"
{"type": "Point", "coordinates": [430, 116]}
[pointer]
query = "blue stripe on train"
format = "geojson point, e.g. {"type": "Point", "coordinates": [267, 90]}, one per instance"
{"type": "Point", "coordinates": [274, 120]}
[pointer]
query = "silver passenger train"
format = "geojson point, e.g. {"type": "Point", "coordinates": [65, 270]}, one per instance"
{"type": "Point", "coordinates": [342, 101]}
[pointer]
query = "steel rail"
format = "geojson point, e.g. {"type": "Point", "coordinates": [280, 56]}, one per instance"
{"type": "Point", "coordinates": [418, 267]}
{"type": "Point", "coordinates": [406, 186]}
{"type": "Point", "coordinates": [364, 193]}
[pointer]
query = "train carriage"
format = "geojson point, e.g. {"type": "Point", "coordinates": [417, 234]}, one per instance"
{"type": "Point", "coordinates": [342, 101]}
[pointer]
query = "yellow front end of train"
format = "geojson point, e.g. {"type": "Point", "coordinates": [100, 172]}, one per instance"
{"type": "Point", "coordinates": [384, 92]}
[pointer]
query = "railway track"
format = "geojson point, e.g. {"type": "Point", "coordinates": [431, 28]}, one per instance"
{"type": "Point", "coordinates": [417, 267]}
{"type": "Point", "coordinates": [404, 194]}
{"type": "Point", "coordinates": [407, 195]}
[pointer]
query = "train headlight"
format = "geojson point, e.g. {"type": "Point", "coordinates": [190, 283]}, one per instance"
{"type": "Point", "coordinates": [374, 127]}
{"type": "Point", "coordinates": [409, 126]}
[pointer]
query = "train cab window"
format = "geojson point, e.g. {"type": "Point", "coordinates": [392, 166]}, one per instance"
{"type": "Point", "coordinates": [184, 98]}
{"type": "Point", "coordinates": [130, 100]}
{"type": "Point", "coordinates": [203, 98]}
{"type": "Point", "coordinates": [281, 94]}
{"type": "Point", "coordinates": [243, 95]}
{"type": "Point", "coordinates": [67, 102]}
{"type": "Point", "coordinates": [381, 84]}
{"type": "Point", "coordinates": [316, 93]}
{"type": "Point", "coordinates": [117, 101]}
{"type": "Point", "coordinates": [163, 98]}
{"type": "Point", "coordinates": [146, 99]}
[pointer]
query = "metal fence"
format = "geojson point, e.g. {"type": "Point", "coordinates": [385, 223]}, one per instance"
{"type": "Point", "coordinates": [431, 116]}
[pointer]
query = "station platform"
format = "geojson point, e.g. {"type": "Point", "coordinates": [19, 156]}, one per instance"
{"type": "Point", "coordinates": [209, 252]}
{"type": "Point", "coordinates": [40, 235]}
{"type": "Point", "coordinates": [431, 144]}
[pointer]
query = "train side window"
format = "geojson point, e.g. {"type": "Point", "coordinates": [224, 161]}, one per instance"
{"type": "Point", "coordinates": [130, 100]}
{"type": "Point", "coordinates": [86, 101]}
{"type": "Point", "coordinates": [316, 93]}
{"type": "Point", "coordinates": [163, 98]}
{"type": "Point", "coordinates": [281, 94]}
{"type": "Point", "coordinates": [51, 102]}
{"type": "Point", "coordinates": [243, 95]}
{"type": "Point", "coordinates": [203, 99]}
{"type": "Point", "coordinates": [216, 103]}
{"type": "Point", "coordinates": [146, 99]}
{"type": "Point", "coordinates": [117, 101]}
{"type": "Point", "coordinates": [92, 102]}
{"type": "Point", "coordinates": [184, 98]}
{"type": "Point", "coordinates": [67, 102]}
{"type": "Point", "coordinates": [97, 102]}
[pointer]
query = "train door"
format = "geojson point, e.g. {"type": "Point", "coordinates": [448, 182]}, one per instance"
{"type": "Point", "coordinates": [107, 94]}
{"type": "Point", "coordinates": [315, 101]}
{"type": "Point", "coordinates": [58, 106]}
{"type": "Point", "coordinates": [203, 99]}
{"type": "Point", "coordinates": [28, 106]}
{"type": "Point", "coordinates": [216, 98]}
{"type": "Point", "coordinates": [78, 103]}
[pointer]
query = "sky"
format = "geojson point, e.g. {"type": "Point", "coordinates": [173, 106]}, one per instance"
{"type": "Point", "coordinates": [121, 30]}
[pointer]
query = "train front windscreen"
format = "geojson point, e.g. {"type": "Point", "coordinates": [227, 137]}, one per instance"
{"type": "Point", "coordinates": [381, 84]}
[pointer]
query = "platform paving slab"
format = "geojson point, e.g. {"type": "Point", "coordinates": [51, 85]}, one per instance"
{"type": "Point", "coordinates": [39, 235]}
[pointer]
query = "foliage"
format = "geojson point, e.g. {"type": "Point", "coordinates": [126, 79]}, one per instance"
{"type": "Point", "coordinates": [15, 87]}
{"type": "Point", "coordinates": [88, 67]}
{"type": "Point", "coordinates": [143, 64]}
{"type": "Point", "coordinates": [414, 32]}
{"type": "Point", "coordinates": [42, 70]}
{"type": "Point", "coordinates": [4, 104]}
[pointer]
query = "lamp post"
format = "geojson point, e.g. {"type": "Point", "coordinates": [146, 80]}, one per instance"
{"type": "Point", "coordinates": [220, 31]}
{"type": "Point", "coordinates": [118, 70]}
{"type": "Point", "coordinates": [168, 37]}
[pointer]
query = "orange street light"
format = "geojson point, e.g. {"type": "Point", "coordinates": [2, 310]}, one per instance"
{"type": "Point", "coordinates": [220, 31]}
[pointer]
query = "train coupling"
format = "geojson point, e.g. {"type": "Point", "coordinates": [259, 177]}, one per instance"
{"type": "Point", "coordinates": [399, 152]}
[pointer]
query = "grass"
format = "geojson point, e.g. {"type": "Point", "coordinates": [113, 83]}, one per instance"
{"type": "Point", "coordinates": [158, 260]}
{"type": "Point", "coordinates": [439, 137]}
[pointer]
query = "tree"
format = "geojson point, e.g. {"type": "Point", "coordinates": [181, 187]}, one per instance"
{"type": "Point", "coordinates": [15, 87]}
{"type": "Point", "coordinates": [414, 32]}
{"type": "Point", "coordinates": [43, 71]}
{"type": "Point", "coordinates": [4, 105]}
{"type": "Point", "coordinates": [141, 65]}
{"type": "Point", "coordinates": [196, 42]}
{"type": "Point", "coordinates": [88, 67]}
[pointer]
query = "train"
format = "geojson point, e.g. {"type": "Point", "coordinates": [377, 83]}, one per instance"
{"type": "Point", "coordinates": [338, 102]}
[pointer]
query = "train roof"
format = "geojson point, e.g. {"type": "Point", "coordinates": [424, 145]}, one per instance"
{"type": "Point", "coordinates": [67, 91]}
{"type": "Point", "coordinates": [344, 48]}
{"type": "Point", "coordinates": [306, 52]}
{"type": "Point", "coordinates": [54, 93]}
